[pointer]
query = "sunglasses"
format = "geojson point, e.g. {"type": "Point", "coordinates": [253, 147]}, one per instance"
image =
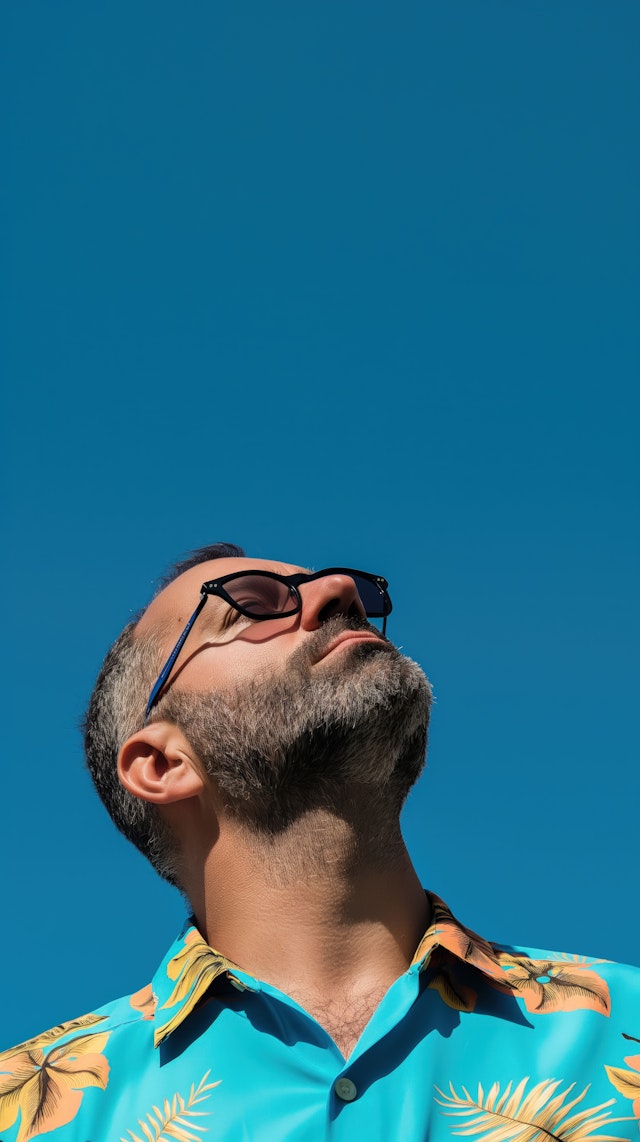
{"type": "Point", "coordinates": [265, 595]}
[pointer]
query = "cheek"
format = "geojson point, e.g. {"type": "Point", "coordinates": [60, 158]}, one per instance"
{"type": "Point", "coordinates": [262, 647]}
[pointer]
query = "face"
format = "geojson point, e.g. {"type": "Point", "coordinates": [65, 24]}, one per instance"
{"type": "Point", "coordinates": [225, 648]}
{"type": "Point", "coordinates": [314, 710]}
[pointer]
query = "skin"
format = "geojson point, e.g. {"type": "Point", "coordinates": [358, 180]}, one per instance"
{"type": "Point", "coordinates": [306, 911]}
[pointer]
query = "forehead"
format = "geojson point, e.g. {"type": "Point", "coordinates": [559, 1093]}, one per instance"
{"type": "Point", "coordinates": [180, 598]}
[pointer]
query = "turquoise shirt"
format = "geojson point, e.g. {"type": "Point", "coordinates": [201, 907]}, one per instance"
{"type": "Point", "coordinates": [474, 1040]}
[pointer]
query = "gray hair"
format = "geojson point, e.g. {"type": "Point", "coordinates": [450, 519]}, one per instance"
{"type": "Point", "coordinates": [116, 711]}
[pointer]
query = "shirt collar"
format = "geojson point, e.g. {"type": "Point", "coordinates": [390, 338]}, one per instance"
{"type": "Point", "coordinates": [448, 934]}
{"type": "Point", "coordinates": [184, 976]}
{"type": "Point", "coordinates": [191, 966]}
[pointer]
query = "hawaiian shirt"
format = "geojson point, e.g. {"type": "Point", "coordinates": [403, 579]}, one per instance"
{"type": "Point", "coordinates": [475, 1040]}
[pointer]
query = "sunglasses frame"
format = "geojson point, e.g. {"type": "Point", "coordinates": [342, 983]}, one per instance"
{"type": "Point", "coordinates": [216, 587]}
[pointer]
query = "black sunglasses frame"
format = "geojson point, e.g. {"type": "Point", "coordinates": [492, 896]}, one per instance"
{"type": "Point", "coordinates": [216, 587]}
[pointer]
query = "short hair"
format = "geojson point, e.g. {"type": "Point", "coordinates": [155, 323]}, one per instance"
{"type": "Point", "coordinates": [116, 710]}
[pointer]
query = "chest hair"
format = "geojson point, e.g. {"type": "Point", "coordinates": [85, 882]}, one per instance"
{"type": "Point", "coordinates": [343, 1017]}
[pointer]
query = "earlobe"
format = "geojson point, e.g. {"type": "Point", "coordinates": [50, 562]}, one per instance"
{"type": "Point", "coordinates": [157, 765]}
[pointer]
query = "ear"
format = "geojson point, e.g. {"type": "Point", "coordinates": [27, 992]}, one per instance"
{"type": "Point", "coordinates": [157, 764]}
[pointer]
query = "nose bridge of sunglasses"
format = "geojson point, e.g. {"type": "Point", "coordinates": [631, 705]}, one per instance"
{"type": "Point", "coordinates": [332, 592]}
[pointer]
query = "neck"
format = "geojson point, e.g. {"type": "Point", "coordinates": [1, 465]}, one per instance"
{"type": "Point", "coordinates": [323, 908]}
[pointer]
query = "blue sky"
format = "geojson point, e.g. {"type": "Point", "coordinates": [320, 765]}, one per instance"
{"type": "Point", "coordinates": [346, 284]}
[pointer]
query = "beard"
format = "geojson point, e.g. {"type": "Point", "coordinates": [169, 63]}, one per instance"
{"type": "Point", "coordinates": [347, 737]}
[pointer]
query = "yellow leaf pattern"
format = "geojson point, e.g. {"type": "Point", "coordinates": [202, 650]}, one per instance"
{"type": "Point", "coordinates": [48, 1037]}
{"type": "Point", "coordinates": [567, 983]}
{"type": "Point", "coordinates": [627, 1082]}
{"type": "Point", "coordinates": [46, 1089]}
{"type": "Point", "coordinates": [194, 968]}
{"type": "Point", "coordinates": [448, 933]}
{"type": "Point", "coordinates": [175, 1120]}
{"type": "Point", "coordinates": [542, 1113]}
{"type": "Point", "coordinates": [564, 983]}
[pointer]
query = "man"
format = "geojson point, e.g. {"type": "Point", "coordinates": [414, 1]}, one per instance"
{"type": "Point", "coordinates": [255, 735]}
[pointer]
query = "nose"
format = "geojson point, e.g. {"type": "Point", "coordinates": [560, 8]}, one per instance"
{"type": "Point", "coordinates": [331, 595]}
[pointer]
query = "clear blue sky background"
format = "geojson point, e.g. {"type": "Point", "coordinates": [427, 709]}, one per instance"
{"type": "Point", "coordinates": [348, 283]}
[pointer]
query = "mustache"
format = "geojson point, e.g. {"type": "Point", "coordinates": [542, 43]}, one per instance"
{"type": "Point", "coordinates": [313, 649]}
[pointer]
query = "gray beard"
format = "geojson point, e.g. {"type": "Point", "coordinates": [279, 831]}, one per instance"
{"type": "Point", "coordinates": [348, 738]}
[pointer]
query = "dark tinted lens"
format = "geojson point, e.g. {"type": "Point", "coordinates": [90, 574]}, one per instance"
{"type": "Point", "coordinates": [260, 595]}
{"type": "Point", "coordinates": [372, 596]}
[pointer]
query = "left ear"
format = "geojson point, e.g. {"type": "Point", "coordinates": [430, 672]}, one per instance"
{"type": "Point", "coordinates": [157, 765]}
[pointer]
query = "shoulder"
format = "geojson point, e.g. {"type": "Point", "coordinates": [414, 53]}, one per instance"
{"type": "Point", "coordinates": [45, 1080]}
{"type": "Point", "coordinates": [119, 1013]}
{"type": "Point", "coordinates": [566, 981]}
{"type": "Point", "coordinates": [548, 1030]}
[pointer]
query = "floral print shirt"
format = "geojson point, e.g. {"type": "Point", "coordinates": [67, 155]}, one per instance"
{"type": "Point", "coordinates": [474, 1041]}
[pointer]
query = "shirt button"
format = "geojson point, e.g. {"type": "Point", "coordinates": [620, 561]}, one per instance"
{"type": "Point", "coordinates": [345, 1089]}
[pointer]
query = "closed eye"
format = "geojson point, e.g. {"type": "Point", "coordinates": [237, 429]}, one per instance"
{"type": "Point", "coordinates": [232, 617]}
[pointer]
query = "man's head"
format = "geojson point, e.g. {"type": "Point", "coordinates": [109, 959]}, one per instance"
{"type": "Point", "coordinates": [313, 710]}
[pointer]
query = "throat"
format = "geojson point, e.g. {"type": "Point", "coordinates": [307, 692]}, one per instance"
{"type": "Point", "coordinates": [315, 920]}
{"type": "Point", "coordinates": [323, 848]}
